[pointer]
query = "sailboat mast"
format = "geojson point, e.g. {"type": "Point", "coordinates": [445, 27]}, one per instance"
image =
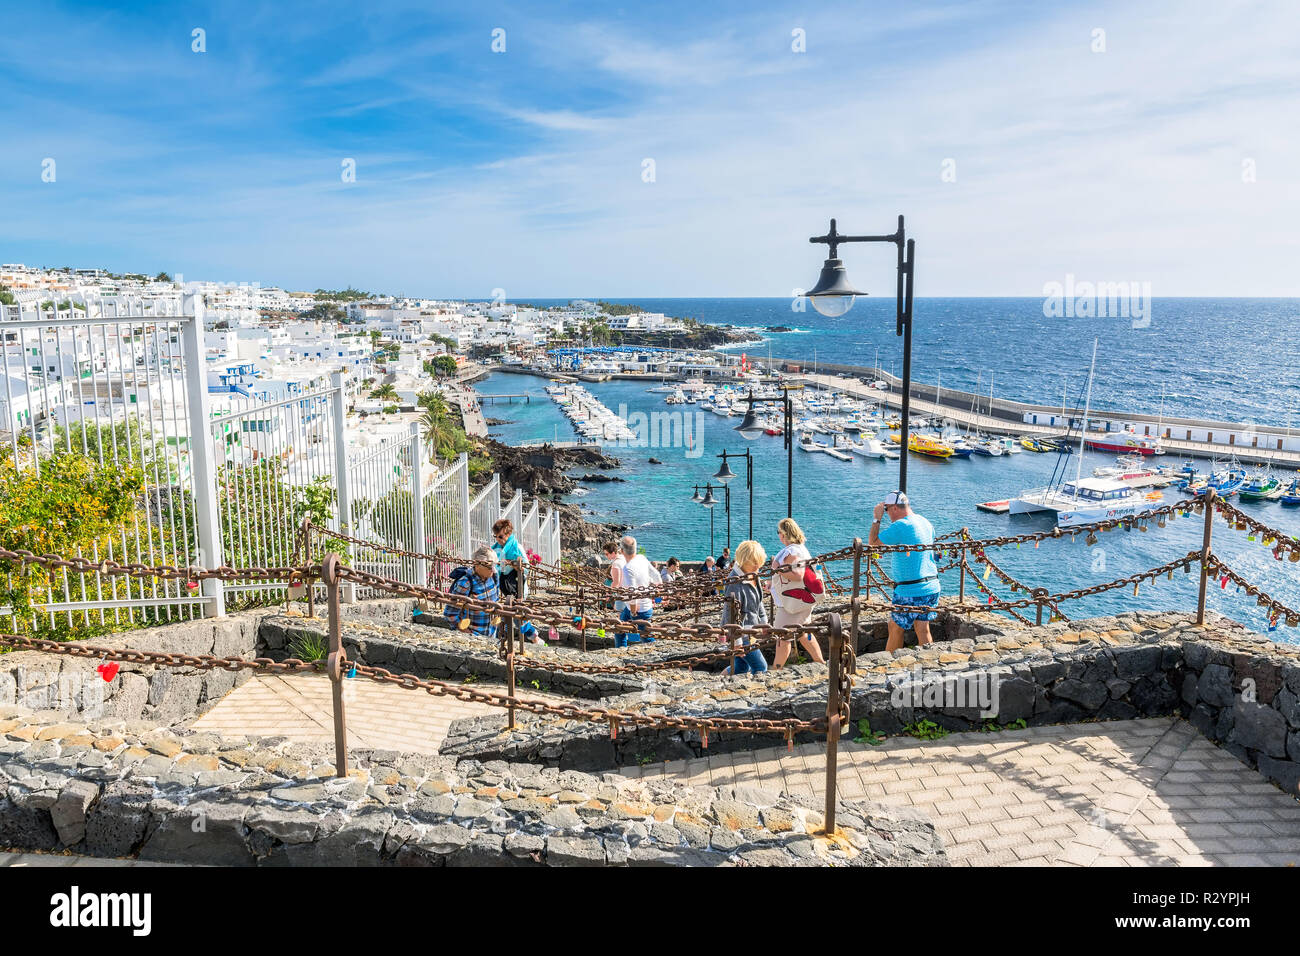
{"type": "Point", "coordinates": [938, 398]}
{"type": "Point", "coordinates": [1083, 427]}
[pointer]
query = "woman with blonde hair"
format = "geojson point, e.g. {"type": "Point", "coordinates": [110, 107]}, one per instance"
{"type": "Point", "coordinates": [792, 603]}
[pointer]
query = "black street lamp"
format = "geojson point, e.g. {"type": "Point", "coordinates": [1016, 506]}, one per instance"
{"type": "Point", "coordinates": [750, 428]}
{"type": "Point", "coordinates": [833, 296]}
{"type": "Point", "coordinates": [725, 474]}
{"type": "Point", "coordinates": [708, 501]}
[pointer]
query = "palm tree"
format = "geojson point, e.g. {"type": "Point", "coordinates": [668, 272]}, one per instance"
{"type": "Point", "coordinates": [384, 392]}
{"type": "Point", "coordinates": [434, 402]}
{"type": "Point", "coordinates": [437, 431]}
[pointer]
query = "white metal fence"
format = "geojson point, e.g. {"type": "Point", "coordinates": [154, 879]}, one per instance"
{"type": "Point", "coordinates": [228, 472]}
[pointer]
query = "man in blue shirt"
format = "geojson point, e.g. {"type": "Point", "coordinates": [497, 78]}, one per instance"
{"type": "Point", "coordinates": [916, 576]}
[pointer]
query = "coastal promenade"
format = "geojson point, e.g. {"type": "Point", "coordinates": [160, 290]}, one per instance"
{"type": "Point", "coordinates": [460, 392]}
{"type": "Point", "coordinates": [1002, 425]}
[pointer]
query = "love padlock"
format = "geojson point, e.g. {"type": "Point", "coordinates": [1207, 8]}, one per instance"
{"type": "Point", "coordinates": [108, 670]}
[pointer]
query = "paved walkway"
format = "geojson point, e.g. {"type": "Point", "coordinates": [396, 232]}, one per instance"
{"type": "Point", "coordinates": [1124, 793]}
{"type": "Point", "coordinates": [379, 717]}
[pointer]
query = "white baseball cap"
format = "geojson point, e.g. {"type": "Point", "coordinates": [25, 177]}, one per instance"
{"type": "Point", "coordinates": [895, 498]}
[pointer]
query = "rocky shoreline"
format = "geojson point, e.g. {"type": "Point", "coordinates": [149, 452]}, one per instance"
{"type": "Point", "coordinates": [542, 472]}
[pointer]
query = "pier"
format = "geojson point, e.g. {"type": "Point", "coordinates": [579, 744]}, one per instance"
{"type": "Point", "coordinates": [509, 399]}
{"type": "Point", "coordinates": [1007, 419]}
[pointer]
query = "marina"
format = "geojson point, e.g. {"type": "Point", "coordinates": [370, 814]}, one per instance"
{"type": "Point", "coordinates": [833, 498]}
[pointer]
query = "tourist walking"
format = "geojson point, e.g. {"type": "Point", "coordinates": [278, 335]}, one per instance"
{"type": "Point", "coordinates": [510, 571]}
{"type": "Point", "coordinates": [743, 595]}
{"type": "Point", "coordinates": [916, 576]}
{"type": "Point", "coordinates": [794, 586]}
{"type": "Point", "coordinates": [479, 582]}
{"type": "Point", "coordinates": [637, 572]}
{"type": "Point", "coordinates": [616, 565]}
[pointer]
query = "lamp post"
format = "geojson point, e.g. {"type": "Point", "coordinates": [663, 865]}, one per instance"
{"type": "Point", "coordinates": [709, 501]}
{"type": "Point", "coordinates": [833, 296]}
{"type": "Point", "coordinates": [750, 428]}
{"type": "Point", "coordinates": [724, 474]}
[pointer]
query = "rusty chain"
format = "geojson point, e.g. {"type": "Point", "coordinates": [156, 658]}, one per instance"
{"type": "Point", "coordinates": [1262, 598]}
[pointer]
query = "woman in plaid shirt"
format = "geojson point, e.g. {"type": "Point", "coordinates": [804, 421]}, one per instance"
{"type": "Point", "coordinates": [480, 584]}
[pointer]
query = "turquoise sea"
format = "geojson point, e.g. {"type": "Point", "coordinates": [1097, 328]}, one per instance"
{"type": "Point", "coordinates": [833, 499]}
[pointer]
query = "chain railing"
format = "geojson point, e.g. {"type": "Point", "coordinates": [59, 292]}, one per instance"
{"type": "Point", "coordinates": [333, 574]}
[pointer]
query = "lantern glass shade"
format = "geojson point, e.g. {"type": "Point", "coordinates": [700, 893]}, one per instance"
{"type": "Point", "coordinates": [749, 426]}
{"type": "Point", "coordinates": [709, 501]}
{"type": "Point", "coordinates": [696, 497]}
{"type": "Point", "coordinates": [833, 295]}
{"type": "Point", "coordinates": [724, 474]}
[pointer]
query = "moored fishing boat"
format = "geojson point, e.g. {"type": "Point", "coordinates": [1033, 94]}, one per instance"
{"type": "Point", "coordinates": [1260, 487]}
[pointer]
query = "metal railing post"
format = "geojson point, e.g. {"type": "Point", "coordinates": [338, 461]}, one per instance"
{"type": "Point", "coordinates": [311, 585]}
{"type": "Point", "coordinates": [510, 661]}
{"type": "Point", "coordinates": [342, 476]}
{"type": "Point", "coordinates": [582, 616]}
{"type": "Point", "coordinates": [417, 505]}
{"type": "Point", "coordinates": [833, 721]}
{"type": "Point", "coordinates": [1205, 553]}
{"type": "Point", "coordinates": [961, 580]}
{"type": "Point", "coordinates": [857, 570]}
{"type": "Point", "coordinates": [466, 545]}
{"type": "Point", "coordinates": [1039, 594]}
{"type": "Point", "coordinates": [207, 518]}
{"type": "Point", "coordinates": [336, 661]}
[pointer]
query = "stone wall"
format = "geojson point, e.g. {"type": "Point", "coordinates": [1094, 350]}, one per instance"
{"type": "Point", "coordinates": [115, 789]}
{"type": "Point", "coordinates": [162, 695]}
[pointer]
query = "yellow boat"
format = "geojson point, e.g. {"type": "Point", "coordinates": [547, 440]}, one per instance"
{"type": "Point", "coordinates": [1031, 444]}
{"type": "Point", "coordinates": [928, 445]}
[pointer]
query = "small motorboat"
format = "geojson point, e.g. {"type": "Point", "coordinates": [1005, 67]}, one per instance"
{"type": "Point", "coordinates": [989, 447]}
{"type": "Point", "coordinates": [874, 448]}
{"type": "Point", "coordinates": [1291, 495]}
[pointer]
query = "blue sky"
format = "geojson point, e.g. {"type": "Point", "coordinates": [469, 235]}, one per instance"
{"type": "Point", "coordinates": [523, 170]}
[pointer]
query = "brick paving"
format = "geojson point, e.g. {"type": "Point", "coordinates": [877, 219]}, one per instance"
{"type": "Point", "coordinates": [299, 707]}
{"type": "Point", "coordinates": [1122, 793]}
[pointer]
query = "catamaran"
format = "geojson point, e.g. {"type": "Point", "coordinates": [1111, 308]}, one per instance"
{"type": "Point", "coordinates": [1083, 500]}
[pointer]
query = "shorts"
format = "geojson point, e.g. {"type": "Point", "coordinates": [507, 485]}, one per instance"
{"type": "Point", "coordinates": [642, 618]}
{"type": "Point", "coordinates": [906, 619]}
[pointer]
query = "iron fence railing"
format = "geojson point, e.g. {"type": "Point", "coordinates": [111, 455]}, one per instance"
{"type": "Point", "coordinates": [228, 465]}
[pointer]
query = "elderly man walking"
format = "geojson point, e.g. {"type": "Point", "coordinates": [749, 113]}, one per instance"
{"type": "Point", "coordinates": [638, 572]}
{"type": "Point", "coordinates": [916, 576]}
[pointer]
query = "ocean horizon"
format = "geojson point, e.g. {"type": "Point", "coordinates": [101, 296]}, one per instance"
{"type": "Point", "coordinates": [960, 342]}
